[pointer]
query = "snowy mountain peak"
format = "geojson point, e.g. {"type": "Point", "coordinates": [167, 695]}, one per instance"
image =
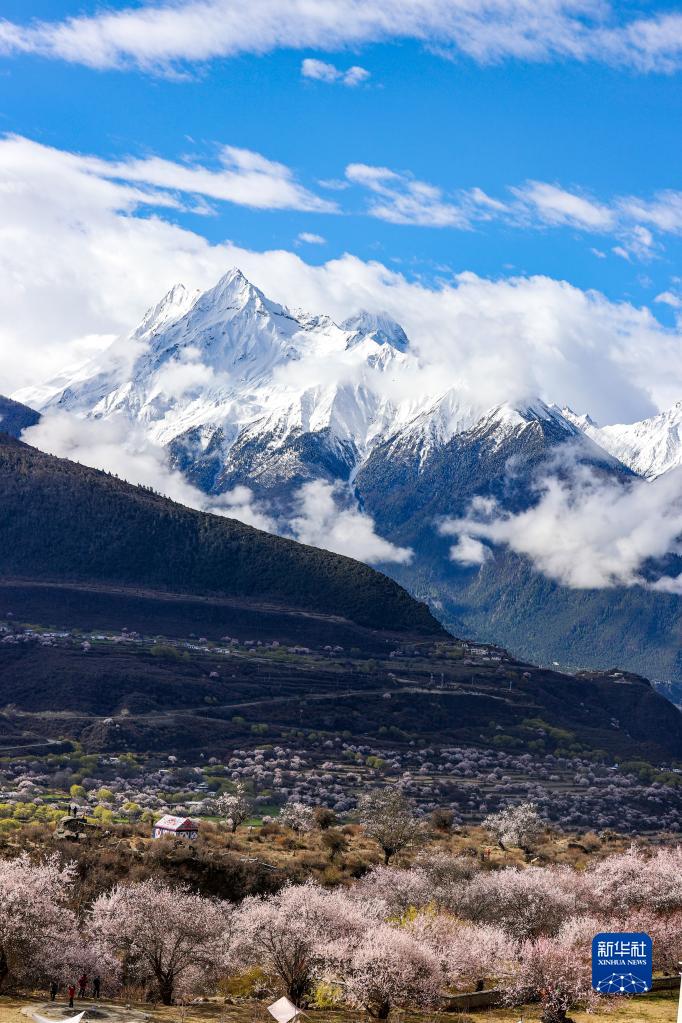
{"type": "Point", "coordinates": [381, 327]}
{"type": "Point", "coordinates": [583, 422]}
{"type": "Point", "coordinates": [174, 304]}
{"type": "Point", "coordinates": [650, 447]}
{"type": "Point", "coordinates": [512, 418]}
{"type": "Point", "coordinates": [234, 293]}
{"type": "Point", "coordinates": [531, 410]}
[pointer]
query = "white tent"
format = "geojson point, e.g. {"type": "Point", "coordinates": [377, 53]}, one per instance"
{"type": "Point", "coordinates": [282, 1010]}
{"type": "Point", "coordinates": [47, 1019]}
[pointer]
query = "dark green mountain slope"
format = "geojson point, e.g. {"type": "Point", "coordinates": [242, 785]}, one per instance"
{"type": "Point", "coordinates": [15, 417]}
{"type": "Point", "coordinates": [63, 522]}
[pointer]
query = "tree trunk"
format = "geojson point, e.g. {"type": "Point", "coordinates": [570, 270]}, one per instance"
{"type": "Point", "coordinates": [298, 991]}
{"type": "Point", "coordinates": [166, 988]}
{"type": "Point", "coordinates": [382, 1010]}
{"type": "Point", "coordinates": [4, 967]}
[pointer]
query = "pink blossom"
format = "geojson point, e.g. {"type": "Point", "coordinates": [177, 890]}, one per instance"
{"type": "Point", "coordinates": [36, 926]}
{"type": "Point", "coordinates": [388, 968]}
{"type": "Point", "coordinates": [164, 933]}
{"type": "Point", "coordinates": [526, 903]}
{"type": "Point", "coordinates": [293, 933]}
{"type": "Point", "coordinates": [557, 971]}
{"type": "Point", "coordinates": [631, 880]}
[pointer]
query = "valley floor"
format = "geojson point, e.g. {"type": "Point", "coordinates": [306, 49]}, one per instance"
{"type": "Point", "coordinates": [654, 1008]}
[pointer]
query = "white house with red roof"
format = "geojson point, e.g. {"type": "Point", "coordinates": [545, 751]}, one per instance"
{"type": "Point", "coordinates": [180, 827]}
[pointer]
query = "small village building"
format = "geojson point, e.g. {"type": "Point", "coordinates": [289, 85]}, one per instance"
{"type": "Point", "coordinates": [176, 827]}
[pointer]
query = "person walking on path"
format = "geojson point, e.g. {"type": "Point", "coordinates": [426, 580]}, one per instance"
{"type": "Point", "coordinates": [72, 995]}
{"type": "Point", "coordinates": [54, 988]}
{"type": "Point", "coordinates": [95, 987]}
{"type": "Point", "coordinates": [82, 984]}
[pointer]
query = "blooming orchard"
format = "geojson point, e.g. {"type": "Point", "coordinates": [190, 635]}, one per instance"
{"type": "Point", "coordinates": [399, 937]}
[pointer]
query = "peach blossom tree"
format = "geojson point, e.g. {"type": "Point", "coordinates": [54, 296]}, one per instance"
{"type": "Point", "coordinates": [37, 927]}
{"type": "Point", "coordinates": [169, 934]}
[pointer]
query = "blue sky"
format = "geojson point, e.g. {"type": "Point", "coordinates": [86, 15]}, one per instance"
{"type": "Point", "coordinates": [452, 123]}
{"type": "Point", "coordinates": [426, 138]}
{"type": "Point", "coordinates": [501, 176]}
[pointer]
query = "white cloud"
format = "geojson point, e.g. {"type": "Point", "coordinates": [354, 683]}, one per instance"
{"type": "Point", "coordinates": [163, 35]}
{"type": "Point", "coordinates": [636, 241]}
{"type": "Point", "coordinates": [308, 238]}
{"type": "Point", "coordinates": [586, 530]}
{"type": "Point", "coordinates": [664, 211]}
{"type": "Point", "coordinates": [468, 551]}
{"type": "Point", "coordinates": [556, 206]}
{"type": "Point", "coordinates": [669, 298]}
{"type": "Point", "coordinates": [178, 376]}
{"type": "Point", "coordinates": [87, 249]}
{"type": "Point", "coordinates": [400, 198]}
{"type": "Point", "coordinates": [250, 179]}
{"type": "Point", "coordinates": [245, 178]}
{"type": "Point", "coordinates": [112, 444]}
{"type": "Point", "coordinates": [403, 199]}
{"type": "Point", "coordinates": [240, 503]}
{"type": "Point", "coordinates": [321, 71]}
{"type": "Point", "coordinates": [356, 75]}
{"type": "Point", "coordinates": [334, 184]}
{"type": "Point", "coordinates": [120, 447]}
{"type": "Point", "coordinates": [322, 522]}
{"type": "Point", "coordinates": [485, 202]}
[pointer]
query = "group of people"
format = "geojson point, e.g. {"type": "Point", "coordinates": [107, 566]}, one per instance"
{"type": "Point", "coordinates": [71, 989]}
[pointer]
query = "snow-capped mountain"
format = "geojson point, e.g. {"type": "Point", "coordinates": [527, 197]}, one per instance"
{"type": "Point", "coordinates": [241, 390]}
{"type": "Point", "coordinates": [650, 447]}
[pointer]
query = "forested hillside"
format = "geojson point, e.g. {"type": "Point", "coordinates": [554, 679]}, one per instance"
{"type": "Point", "coordinates": [64, 522]}
{"type": "Point", "coordinates": [15, 417]}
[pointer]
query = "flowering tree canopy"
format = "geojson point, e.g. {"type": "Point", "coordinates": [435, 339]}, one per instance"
{"type": "Point", "coordinates": [557, 971]}
{"type": "Point", "coordinates": [292, 933]}
{"type": "Point", "coordinates": [167, 933]}
{"type": "Point", "coordinates": [395, 938]}
{"type": "Point", "coordinates": [515, 825]}
{"type": "Point", "coordinates": [236, 807]}
{"type": "Point", "coordinates": [36, 926]}
{"type": "Point", "coordinates": [389, 818]}
{"type": "Point", "coordinates": [389, 967]}
{"type": "Point", "coordinates": [525, 903]}
{"type": "Point", "coordinates": [297, 816]}
{"type": "Point", "coordinates": [469, 954]}
{"type": "Point", "coordinates": [630, 880]}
